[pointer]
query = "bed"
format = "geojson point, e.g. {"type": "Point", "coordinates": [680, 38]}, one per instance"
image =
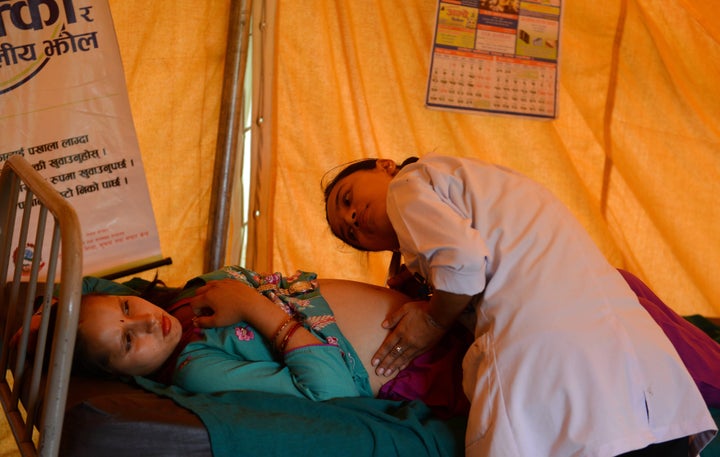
{"type": "Point", "coordinates": [53, 412]}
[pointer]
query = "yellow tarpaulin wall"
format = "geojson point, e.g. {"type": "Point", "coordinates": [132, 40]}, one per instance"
{"type": "Point", "coordinates": [173, 54]}
{"type": "Point", "coordinates": [634, 152]}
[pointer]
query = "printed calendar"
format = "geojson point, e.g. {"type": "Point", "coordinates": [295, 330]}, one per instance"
{"type": "Point", "coordinates": [496, 56]}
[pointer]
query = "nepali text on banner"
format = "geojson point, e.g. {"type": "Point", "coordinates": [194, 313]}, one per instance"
{"type": "Point", "coordinates": [64, 108]}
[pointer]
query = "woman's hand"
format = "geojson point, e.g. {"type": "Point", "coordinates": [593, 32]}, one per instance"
{"type": "Point", "coordinates": [416, 327]}
{"type": "Point", "coordinates": [413, 332]}
{"type": "Point", "coordinates": [224, 302]}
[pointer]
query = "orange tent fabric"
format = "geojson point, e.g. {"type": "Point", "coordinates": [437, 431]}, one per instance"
{"type": "Point", "coordinates": [634, 151]}
{"type": "Point", "coordinates": [173, 55]}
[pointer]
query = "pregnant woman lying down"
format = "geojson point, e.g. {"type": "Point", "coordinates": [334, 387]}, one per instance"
{"type": "Point", "coordinates": [234, 329]}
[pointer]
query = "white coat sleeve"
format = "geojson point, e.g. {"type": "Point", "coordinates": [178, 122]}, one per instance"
{"type": "Point", "coordinates": [436, 236]}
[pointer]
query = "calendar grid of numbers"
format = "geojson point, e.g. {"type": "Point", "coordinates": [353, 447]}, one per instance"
{"type": "Point", "coordinates": [496, 56]}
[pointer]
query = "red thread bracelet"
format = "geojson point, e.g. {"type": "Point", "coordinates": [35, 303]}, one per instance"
{"type": "Point", "coordinates": [282, 327]}
{"type": "Point", "coordinates": [289, 333]}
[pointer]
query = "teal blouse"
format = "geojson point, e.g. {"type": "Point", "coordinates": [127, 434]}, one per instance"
{"type": "Point", "coordinates": [240, 358]}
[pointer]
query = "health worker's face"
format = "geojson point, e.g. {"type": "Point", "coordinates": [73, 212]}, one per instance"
{"type": "Point", "coordinates": [357, 209]}
{"type": "Point", "coordinates": [134, 335]}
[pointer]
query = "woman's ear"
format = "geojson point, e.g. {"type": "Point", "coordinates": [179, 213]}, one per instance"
{"type": "Point", "coordinates": [388, 166]}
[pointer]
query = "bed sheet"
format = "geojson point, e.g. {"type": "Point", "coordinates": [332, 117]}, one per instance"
{"type": "Point", "coordinates": [248, 423]}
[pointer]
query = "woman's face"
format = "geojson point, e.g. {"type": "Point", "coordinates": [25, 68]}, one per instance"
{"type": "Point", "coordinates": [357, 209]}
{"type": "Point", "coordinates": [132, 334]}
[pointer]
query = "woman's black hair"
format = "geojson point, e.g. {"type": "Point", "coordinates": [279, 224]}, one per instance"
{"type": "Point", "coordinates": [350, 168]}
{"type": "Point", "coordinates": [85, 364]}
{"type": "Point", "coordinates": [347, 170]}
{"type": "Point", "coordinates": [81, 362]}
{"type": "Point", "coordinates": [155, 291]}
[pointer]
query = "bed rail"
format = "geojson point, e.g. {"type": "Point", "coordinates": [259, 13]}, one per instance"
{"type": "Point", "coordinates": [33, 398]}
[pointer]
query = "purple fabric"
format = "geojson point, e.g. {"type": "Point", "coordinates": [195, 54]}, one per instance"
{"type": "Point", "coordinates": [699, 352]}
{"type": "Point", "coordinates": [435, 377]}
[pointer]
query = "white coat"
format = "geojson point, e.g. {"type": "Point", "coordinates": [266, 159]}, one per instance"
{"type": "Point", "coordinates": [566, 362]}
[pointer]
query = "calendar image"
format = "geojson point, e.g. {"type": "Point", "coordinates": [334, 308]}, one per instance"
{"type": "Point", "coordinates": [496, 56]}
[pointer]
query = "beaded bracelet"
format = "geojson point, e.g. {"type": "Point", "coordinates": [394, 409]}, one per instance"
{"type": "Point", "coordinates": [289, 333]}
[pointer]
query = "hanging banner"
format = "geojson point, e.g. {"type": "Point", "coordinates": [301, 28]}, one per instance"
{"type": "Point", "coordinates": [496, 56]}
{"type": "Point", "coordinates": [64, 108]}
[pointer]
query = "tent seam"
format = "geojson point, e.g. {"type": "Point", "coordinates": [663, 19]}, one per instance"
{"type": "Point", "coordinates": [609, 108]}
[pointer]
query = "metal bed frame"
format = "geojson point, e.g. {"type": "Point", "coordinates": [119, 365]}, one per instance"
{"type": "Point", "coordinates": [35, 413]}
